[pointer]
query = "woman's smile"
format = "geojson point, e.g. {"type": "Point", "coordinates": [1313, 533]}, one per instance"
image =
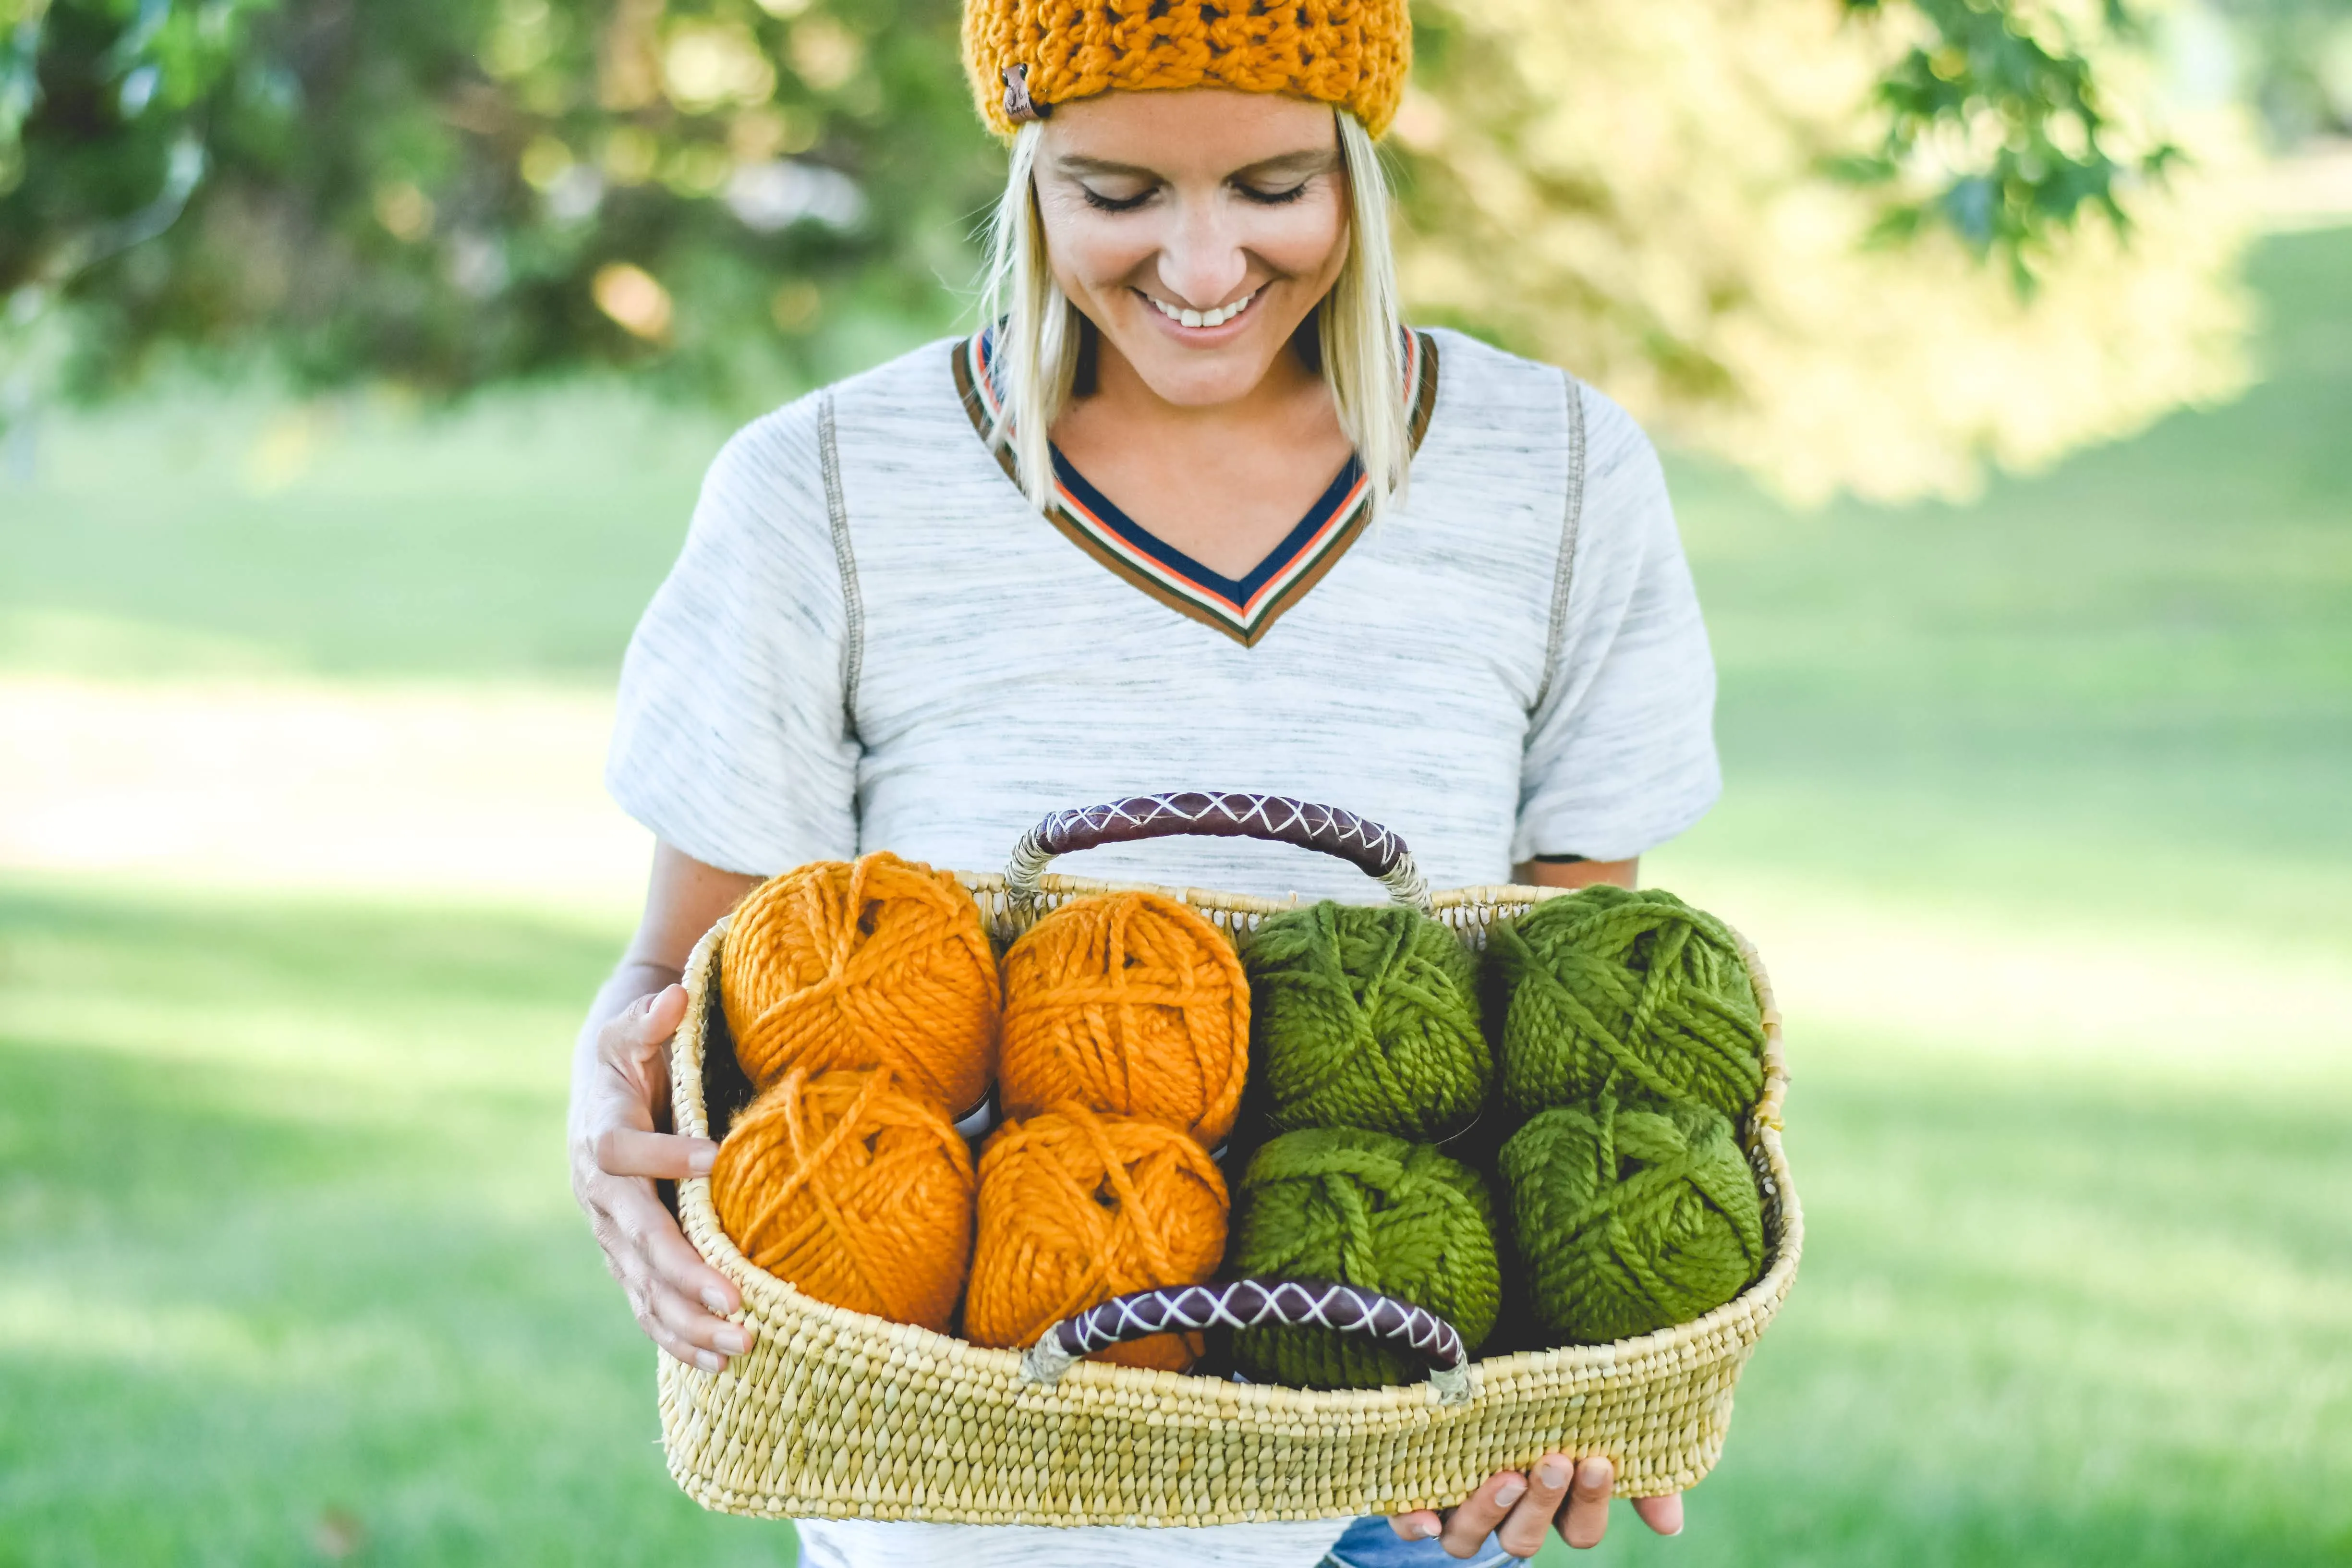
{"type": "Point", "coordinates": [1201, 327]}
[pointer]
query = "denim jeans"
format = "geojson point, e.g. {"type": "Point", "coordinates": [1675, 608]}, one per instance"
{"type": "Point", "coordinates": [1371, 1543]}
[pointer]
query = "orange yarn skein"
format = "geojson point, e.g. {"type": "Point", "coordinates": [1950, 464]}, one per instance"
{"type": "Point", "coordinates": [1129, 1002]}
{"type": "Point", "coordinates": [853, 1190]}
{"type": "Point", "coordinates": [872, 963]}
{"type": "Point", "coordinates": [1076, 1208]}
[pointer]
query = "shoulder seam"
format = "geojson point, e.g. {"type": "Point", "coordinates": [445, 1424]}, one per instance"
{"type": "Point", "coordinates": [1571, 517]}
{"type": "Point", "coordinates": [853, 642]}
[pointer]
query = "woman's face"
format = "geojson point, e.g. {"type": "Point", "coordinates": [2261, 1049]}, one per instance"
{"type": "Point", "coordinates": [1195, 228]}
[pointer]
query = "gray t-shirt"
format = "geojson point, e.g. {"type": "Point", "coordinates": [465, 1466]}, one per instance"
{"type": "Point", "coordinates": [871, 640]}
{"type": "Point", "coordinates": [894, 650]}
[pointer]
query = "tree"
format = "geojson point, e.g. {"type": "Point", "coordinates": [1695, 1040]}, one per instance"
{"type": "Point", "coordinates": [1681, 201]}
{"type": "Point", "coordinates": [740, 197]}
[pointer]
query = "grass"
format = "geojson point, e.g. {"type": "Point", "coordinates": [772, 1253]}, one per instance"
{"type": "Point", "coordinates": [2042, 797]}
{"type": "Point", "coordinates": [289, 1245]}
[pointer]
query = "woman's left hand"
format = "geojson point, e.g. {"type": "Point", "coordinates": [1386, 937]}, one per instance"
{"type": "Point", "coordinates": [1518, 1508]}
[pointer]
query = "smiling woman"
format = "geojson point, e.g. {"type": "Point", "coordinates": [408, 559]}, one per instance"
{"type": "Point", "coordinates": [1118, 540]}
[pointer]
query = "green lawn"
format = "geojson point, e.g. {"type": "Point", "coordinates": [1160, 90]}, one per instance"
{"type": "Point", "coordinates": [285, 1245]}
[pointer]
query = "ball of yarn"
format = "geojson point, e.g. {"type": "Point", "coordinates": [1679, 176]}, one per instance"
{"type": "Point", "coordinates": [1131, 1003]}
{"type": "Point", "coordinates": [870, 963]}
{"type": "Point", "coordinates": [852, 1189]}
{"type": "Point", "coordinates": [1077, 1208]}
{"type": "Point", "coordinates": [1369, 1209]}
{"type": "Point", "coordinates": [1367, 1017]}
{"type": "Point", "coordinates": [1636, 993]}
{"type": "Point", "coordinates": [1629, 1221]}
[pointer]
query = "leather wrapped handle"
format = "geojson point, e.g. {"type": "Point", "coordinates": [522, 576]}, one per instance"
{"type": "Point", "coordinates": [1256, 1303]}
{"type": "Point", "coordinates": [1218, 814]}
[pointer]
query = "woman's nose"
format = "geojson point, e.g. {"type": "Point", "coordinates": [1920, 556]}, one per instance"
{"type": "Point", "coordinates": [1203, 263]}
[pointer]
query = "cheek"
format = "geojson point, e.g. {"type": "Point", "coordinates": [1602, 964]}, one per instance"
{"type": "Point", "coordinates": [1090, 251]}
{"type": "Point", "coordinates": [1305, 241]}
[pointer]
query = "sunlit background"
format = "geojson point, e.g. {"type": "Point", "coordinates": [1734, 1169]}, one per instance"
{"type": "Point", "coordinates": [2027, 552]}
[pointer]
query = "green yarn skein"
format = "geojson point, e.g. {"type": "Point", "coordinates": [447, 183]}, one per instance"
{"type": "Point", "coordinates": [1631, 992]}
{"type": "Point", "coordinates": [1367, 1017]}
{"type": "Point", "coordinates": [1630, 1221]}
{"type": "Point", "coordinates": [1369, 1209]}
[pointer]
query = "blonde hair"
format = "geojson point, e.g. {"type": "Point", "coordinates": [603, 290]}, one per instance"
{"type": "Point", "coordinates": [1036, 349]}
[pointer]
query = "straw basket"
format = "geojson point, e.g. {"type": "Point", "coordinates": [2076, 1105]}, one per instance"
{"type": "Point", "coordinates": [836, 1415]}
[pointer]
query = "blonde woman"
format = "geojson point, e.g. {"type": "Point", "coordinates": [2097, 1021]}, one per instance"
{"type": "Point", "coordinates": [1195, 509]}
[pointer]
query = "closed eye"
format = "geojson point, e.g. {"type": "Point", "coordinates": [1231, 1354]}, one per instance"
{"type": "Point", "coordinates": [1102, 202]}
{"type": "Point", "coordinates": [1265, 198]}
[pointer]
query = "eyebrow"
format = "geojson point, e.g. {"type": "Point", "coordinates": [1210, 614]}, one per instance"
{"type": "Point", "coordinates": [1307, 161]}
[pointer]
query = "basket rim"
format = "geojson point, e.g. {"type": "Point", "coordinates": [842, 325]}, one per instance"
{"type": "Point", "coordinates": [1491, 1376]}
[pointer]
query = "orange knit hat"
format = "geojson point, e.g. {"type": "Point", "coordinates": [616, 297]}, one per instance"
{"type": "Point", "coordinates": [1025, 56]}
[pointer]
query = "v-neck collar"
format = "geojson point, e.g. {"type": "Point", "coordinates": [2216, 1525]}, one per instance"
{"type": "Point", "coordinates": [1242, 609]}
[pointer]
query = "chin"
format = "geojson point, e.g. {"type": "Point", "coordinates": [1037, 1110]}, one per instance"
{"type": "Point", "coordinates": [1202, 377]}
{"type": "Point", "coordinates": [1202, 386]}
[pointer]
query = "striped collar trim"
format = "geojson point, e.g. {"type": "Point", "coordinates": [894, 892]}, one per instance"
{"type": "Point", "coordinates": [1243, 608]}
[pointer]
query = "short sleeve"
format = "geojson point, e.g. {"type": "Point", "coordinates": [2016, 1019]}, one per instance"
{"type": "Point", "coordinates": [734, 741]}
{"type": "Point", "coordinates": [1621, 748]}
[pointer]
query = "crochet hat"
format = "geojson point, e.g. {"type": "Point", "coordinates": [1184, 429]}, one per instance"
{"type": "Point", "coordinates": [1026, 56]}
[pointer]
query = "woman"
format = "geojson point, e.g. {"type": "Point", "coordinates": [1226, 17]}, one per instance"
{"type": "Point", "coordinates": [1198, 512]}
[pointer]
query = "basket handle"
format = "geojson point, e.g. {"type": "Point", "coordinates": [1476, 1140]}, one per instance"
{"type": "Point", "coordinates": [1218, 814]}
{"type": "Point", "coordinates": [1250, 1304]}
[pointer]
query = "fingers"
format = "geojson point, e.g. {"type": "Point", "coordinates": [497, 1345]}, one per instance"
{"type": "Point", "coordinates": [708, 1340]}
{"type": "Point", "coordinates": [679, 1267]}
{"type": "Point", "coordinates": [1522, 1531]}
{"type": "Point", "coordinates": [654, 1019]}
{"type": "Point", "coordinates": [1467, 1527]}
{"type": "Point", "coordinates": [1423, 1525]}
{"type": "Point", "coordinates": [1516, 1509]}
{"type": "Point", "coordinates": [625, 1151]}
{"type": "Point", "coordinates": [1585, 1520]}
{"type": "Point", "coordinates": [680, 1301]}
{"type": "Point", "coordinates": [633, 1038]}
{"type": "Point", "coordinates": [1662, 1514]}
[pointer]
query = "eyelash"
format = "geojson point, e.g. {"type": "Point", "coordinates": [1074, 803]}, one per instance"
{"type": "Point", "coordinates": [1101, 203]}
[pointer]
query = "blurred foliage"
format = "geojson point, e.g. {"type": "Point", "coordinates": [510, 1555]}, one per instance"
{"type": "Point", "coordinates": [741, 197]}
{"type": "Point", "coordinates": [2294, 57]}
{"type": "Point", "coordinates": [2016, 94]}
{"type": "Point", "coordinates": [1682, 228]}
{"type": "Point", "coordinates": [453, 192]}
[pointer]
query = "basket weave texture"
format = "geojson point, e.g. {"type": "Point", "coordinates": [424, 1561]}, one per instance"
{"type": "Point", "coordinates": [837, 1414]}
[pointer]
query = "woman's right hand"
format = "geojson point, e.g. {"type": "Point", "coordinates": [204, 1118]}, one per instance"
{"type": "Point", "coordinates": [617, 1151]}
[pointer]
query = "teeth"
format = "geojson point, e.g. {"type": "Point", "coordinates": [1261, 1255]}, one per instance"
{"type": "Point", "coordinates": [1216, 318]}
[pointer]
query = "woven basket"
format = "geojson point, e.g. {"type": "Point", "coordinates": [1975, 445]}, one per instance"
{"type": "Point", "coordinates": [836, 1415]}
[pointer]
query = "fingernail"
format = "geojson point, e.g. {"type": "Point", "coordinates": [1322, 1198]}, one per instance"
{"type": "Point", "coordinates": [1552, 1474]}
{"type": "Point", "coordinates": [698, 1163]}
{"type": "Point", "coordinates": [708, 1361]}
{"type": "Point", "coordinates": [716, 1300]}
{"type": "Point", "coordinates": [1509, 1492]}
{"type": "Point", "coordinates": [734, 1342]}
{"type": "Point", "coordinates": [1596, 1471]}
{"type": "Point", "coordinates": [1426, 1529]}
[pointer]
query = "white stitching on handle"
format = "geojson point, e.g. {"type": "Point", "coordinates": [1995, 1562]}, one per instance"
{"type": "Point", "coordinates": [1249, 1303]}
{"type": "Point", "coordinates": [1275, 817]}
